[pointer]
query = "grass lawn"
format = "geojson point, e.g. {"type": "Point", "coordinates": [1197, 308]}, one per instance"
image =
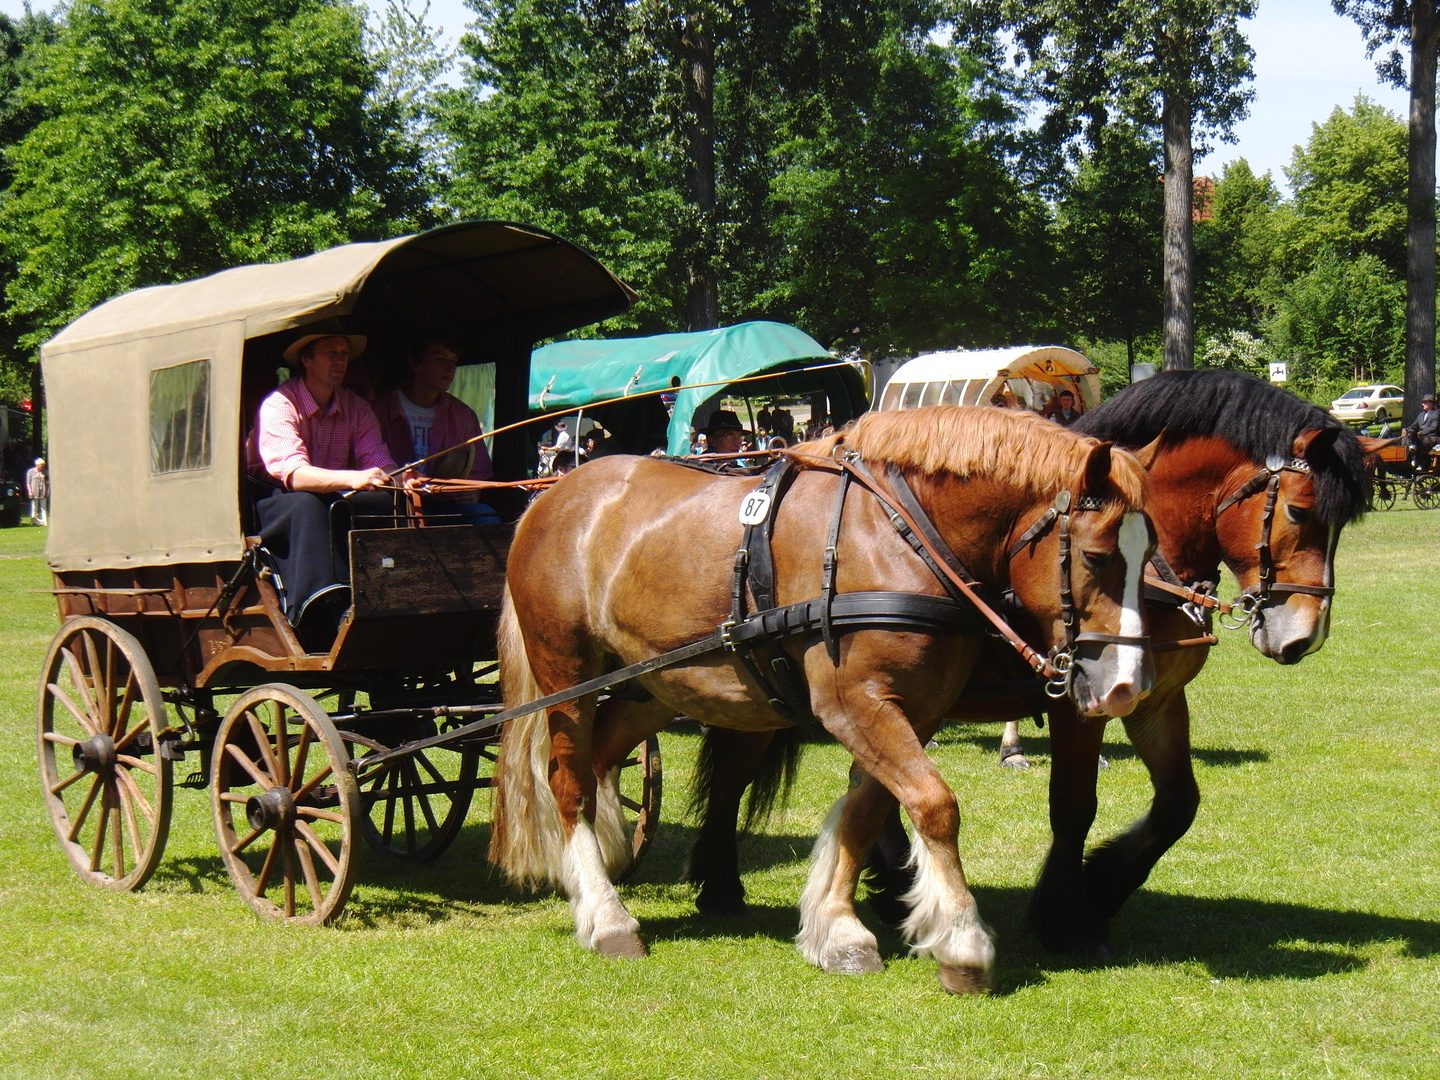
{"type": "Point", "coordinates": [1295, 932]}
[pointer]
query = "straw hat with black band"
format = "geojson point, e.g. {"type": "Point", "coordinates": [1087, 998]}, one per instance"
{"type": "Point", "coordinates": [328, 328]}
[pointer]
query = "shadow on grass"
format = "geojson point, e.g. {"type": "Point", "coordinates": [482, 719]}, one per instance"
{"type": "Point", "coordinates": [1038, 746]}
{"type": "Point", "coordinates": [1231, 937]}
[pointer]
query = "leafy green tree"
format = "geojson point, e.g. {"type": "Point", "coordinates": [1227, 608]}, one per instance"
{"type": "Point", "coordinates": [851, 182]}
{"type": "Point", "coordinates": [1110, 249]}
{"type": "Point", "coordinates": [1180, 66]}
{"type": "Point", "coordinates": [183, 136]}
{"type": "Point", "coordinates": [1232, 260]}
{"type": "Point", "coordinates": [1413, 24]}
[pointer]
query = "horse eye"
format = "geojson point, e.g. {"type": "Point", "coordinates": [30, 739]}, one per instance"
{"type": "Point", "coordinates": [1298, 515]}
{"type": "Point", "coordinates": [1096, 560]}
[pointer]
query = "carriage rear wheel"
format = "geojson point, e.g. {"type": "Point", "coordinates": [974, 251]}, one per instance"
{"type": "Point", "coordinates": [1427, 492]}
{"type": "Point", "coordinates": [106, 786]}
{"type": "Point", "coordinates": [415, 805]}
{"type": "Point", "coordinates": [1383, 496]}
{"type": "Point", "coordinates": [286, 805]}
{"type": "Point", "coordinates": [641, 785]}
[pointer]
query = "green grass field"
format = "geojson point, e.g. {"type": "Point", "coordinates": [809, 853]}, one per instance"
{"type": "Point", "coordinates": [1295, 932]}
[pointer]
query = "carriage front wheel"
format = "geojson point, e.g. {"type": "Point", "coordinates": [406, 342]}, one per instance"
{"type": "Point", "coordinates": [286, 805]}
{"type": "Point", "coordinates": [1426, 492]}
{"type": "Point", "coordinates": [106, 785]}
{"type": "Point", "coordinates": [641, 785]}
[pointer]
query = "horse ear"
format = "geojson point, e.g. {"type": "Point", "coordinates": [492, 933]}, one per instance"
{"type": "Point", "coordinates": [1316, 440]}
{"type": "Point", "coordinates": [1146, 455]}
{"type": "Point", "coordinates": [1096, 473]}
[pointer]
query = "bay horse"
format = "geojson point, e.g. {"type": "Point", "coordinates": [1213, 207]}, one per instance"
{"type": "Point", "coordinates": [1242, 473]}
{"type": "Point", "coordinates": [628, 558]}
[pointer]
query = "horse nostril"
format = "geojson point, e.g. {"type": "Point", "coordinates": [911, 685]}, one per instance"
{"type": "Point", "coordinates": [1294, 652]}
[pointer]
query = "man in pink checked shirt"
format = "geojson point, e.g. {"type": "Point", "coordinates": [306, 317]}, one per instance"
{"type": "Point", "coordinates": [315, 440]}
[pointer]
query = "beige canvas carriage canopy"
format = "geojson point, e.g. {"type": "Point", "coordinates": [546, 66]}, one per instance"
{"type": "Point", "coordinates": [1029, 374]}
{"type": "Point", "coordinates": [145, 390]}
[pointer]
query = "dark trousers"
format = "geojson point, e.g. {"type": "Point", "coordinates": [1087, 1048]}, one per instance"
{"type": "Point", "coordinates": [306, 536]}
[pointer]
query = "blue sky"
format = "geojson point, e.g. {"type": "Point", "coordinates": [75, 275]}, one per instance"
{"type": "Point", "coordinates": [1308, 60]}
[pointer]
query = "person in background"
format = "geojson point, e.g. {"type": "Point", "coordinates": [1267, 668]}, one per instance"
{"type": "Point", "coordinates": [1424, 433]}
{"type": "Point", "coordinates": [562, 436]}
{"type": "Point", "coordinates": [1065, 413]}
{"type": "Point", "coordinates": [699, 444]}
{"type": "Point", "coordinates": [37, 487]}
{"type": "Point", "coordinates": [421, 418]}
{"type": "Point", "coordinates": [725, 434]}
{"type": "Point", "coordinates": [314, 442]}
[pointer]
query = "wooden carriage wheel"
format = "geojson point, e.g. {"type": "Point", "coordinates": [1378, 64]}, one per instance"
{"type": "Point", "coordinates": [1426, 492]}
{"type": "Point", "coordinates": [641, 786]}
{"type": "Point", "coordinates": [414, 806]}
{"type": "Point", "coordinates": [1383, 493]}
{"type": "Point", "coordinates": [106, 787]}
{"type": "Point", "coordinates": [286, 805]}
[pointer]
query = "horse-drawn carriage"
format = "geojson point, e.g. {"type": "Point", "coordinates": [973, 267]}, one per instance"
{"type": "Point", "coordinates": [174, 655]}
{"type": "Point", "coordinates": [1398, 475]}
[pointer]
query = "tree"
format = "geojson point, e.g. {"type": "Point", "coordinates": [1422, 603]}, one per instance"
{"type": "Point", "coordinates": [183, 136]}
{"type": "Point", "coordinates": [1110, 251]}
{"type": "Point", "coordinates": [1416, 24]}
{"type": "Point", "coordinates": [1230, 264]}
{"type": "Point", "coordinates": [1176, 65]}
{"type": "Point", "coordinates": [839, 171]}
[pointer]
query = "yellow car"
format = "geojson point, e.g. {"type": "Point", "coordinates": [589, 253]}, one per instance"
{"type": "Point", "coordinates": [1369, 404]}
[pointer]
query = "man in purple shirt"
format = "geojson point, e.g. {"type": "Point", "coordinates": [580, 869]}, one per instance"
{"type": "Point", "coordinates": [314, 440]}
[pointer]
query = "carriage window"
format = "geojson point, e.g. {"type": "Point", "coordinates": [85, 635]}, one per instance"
{"type": "Point", "coordinates": [971, 394]}
{"type": "Point", "coordinates": [180, 417]}
{"type": "Point", "coordinates": [951, 395]}
{"type": "Point", "coordinates": [912, 395]}
{"type": "Point", "coordinates": [932, 393]}
{"type": "Point", "coordinates": [891, 398]}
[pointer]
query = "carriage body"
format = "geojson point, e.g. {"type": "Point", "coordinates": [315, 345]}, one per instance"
{"type": "Point", "coordinates": [1027, 376]}
{"type": "Point", "coordinates": [1394, 476]}
{"type": "Point", "coordinates": [174, 647]}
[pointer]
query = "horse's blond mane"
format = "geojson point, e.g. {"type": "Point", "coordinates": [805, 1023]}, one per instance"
{"type": "Point", "coordinates": [1004, 445]}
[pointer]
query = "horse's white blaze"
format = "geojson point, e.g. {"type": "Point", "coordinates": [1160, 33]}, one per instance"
{"type": "Point", "coordinates": [1134, 539]}
{"type": "Point", "coordinates": [596, 905]}
{"type": "Point", "coordinates": [944, 921]}
{"type": "Point", "coordinates": [1322, 617]}
{"type": "Point", "coordinates": [831, 936]}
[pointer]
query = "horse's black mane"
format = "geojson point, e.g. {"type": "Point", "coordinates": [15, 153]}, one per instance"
{"type": "Point", "coordinates": [1252, 415]}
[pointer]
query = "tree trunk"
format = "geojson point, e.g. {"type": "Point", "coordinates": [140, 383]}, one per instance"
{"type": "Point", "coordinates": [1420, 223]}
{"type": "Point", "coordinates": [1179, 235]}
{"type": "Point", "coordinates": [697, 51]}
{"type": "Point", "coordinates": [37, 413]}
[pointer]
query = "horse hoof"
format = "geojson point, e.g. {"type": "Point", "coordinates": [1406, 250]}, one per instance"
{"type": "Point", "coordinates": [853, 961]}
{"type": "Point", "coordinates": [1013, 757]}
{"type": "Point", "coordinates": [964, 979]}
{"type": "Point", "coordinates": [723, 907]}
{"type": "Point", "coordinates": [621, 945]}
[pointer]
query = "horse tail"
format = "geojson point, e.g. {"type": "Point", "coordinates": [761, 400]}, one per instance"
{"type": "Point", "coordinates": [771, 786]}
{"type": "Point", "coordinates": [526, 837]}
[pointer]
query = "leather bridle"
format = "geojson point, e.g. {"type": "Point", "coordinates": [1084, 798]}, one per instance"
{"type": "Point", "coordinates": [1267, 479]}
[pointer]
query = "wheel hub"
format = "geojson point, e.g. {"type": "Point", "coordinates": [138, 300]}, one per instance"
{"type": "Point", "coordinates": [95, 755]}
{"type": "Point", "coordinates": [270, 810]}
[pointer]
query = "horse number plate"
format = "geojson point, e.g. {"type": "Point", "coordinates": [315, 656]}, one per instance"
{"type": "Point", "coordinates": [754, 508]}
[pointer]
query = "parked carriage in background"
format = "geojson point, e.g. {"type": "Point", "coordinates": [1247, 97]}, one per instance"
{"type": "Point", "coordinates": [1026, 376]}
{"type": "Point", "coordinates": [756, 361]}
{"type": "Point", "coordinates": [172, 635]}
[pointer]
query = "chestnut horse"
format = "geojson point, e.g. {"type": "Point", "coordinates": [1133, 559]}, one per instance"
{"type": "Point", "coordinates": [1215, 442]}
{"type": "Point", "coordinates": [652, 570]}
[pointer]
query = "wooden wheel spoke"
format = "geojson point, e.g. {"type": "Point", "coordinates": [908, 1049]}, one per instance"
{"type": "Point", "coordinates": [262, 880]}
{"type": "Point", "coordinates": [321, 848]}
{"type": "Point", "coordinates": [63, 740]}
{"type": "Point", "coordinates": [82, 684]}
{"type": "Point", "coordinates": [262, 742]}
{"type": "Point", "coordinates": [81, 718]}
{"type": "Point", "coordinates": [233, 796]}
{"type": "Point", "coordinates": [132, 789]}
{"type": "Point", "coordinates": [79, 821]}
{"type": "Point", "coordinates": [63, 784]}
{"type": "Point", "coordinates": [97, 849]}
{"type": "Point", "coordinates": [311, 784]}
{"type": "Point", "coordinates": [250, 838]}
{"type": "Point", "coordinates": [407, 804]}
{"type": "Point", "coordinates": [389, 829]}
{"type": "Point", "coordinates": [282, 740]}
{"type": "Point", "coordinates": [117, 831]}
{"type": "Point", "coordinates": [630, 803]}
{"type": "Point", "coordinates": [102, 706]}
{"type": "Point", "coordinates": [245, 763]}
{"type": "Point", "coordinates": [302, 751]}
{"type": "Point", "coordinates": [127, 699]}
{"type": "Point", "coordinates": [111, 726]}
{"type": "Point", "coordinates": [424, 800]}
{"type": "Point", "coordinates": [425, 763]}
{"type": "Point", "coordinates": [312, 882]}
{"type": "Point", "coordinates": [318, 814]}
{"type": "Point", "coordinates": [289, 852]}
{"type": "Point", "coordinates": [133, 734]}
{"type": "Point", "coordinates": [132, 821]}
{"type": "Point", "coordinates": [132, 762]}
